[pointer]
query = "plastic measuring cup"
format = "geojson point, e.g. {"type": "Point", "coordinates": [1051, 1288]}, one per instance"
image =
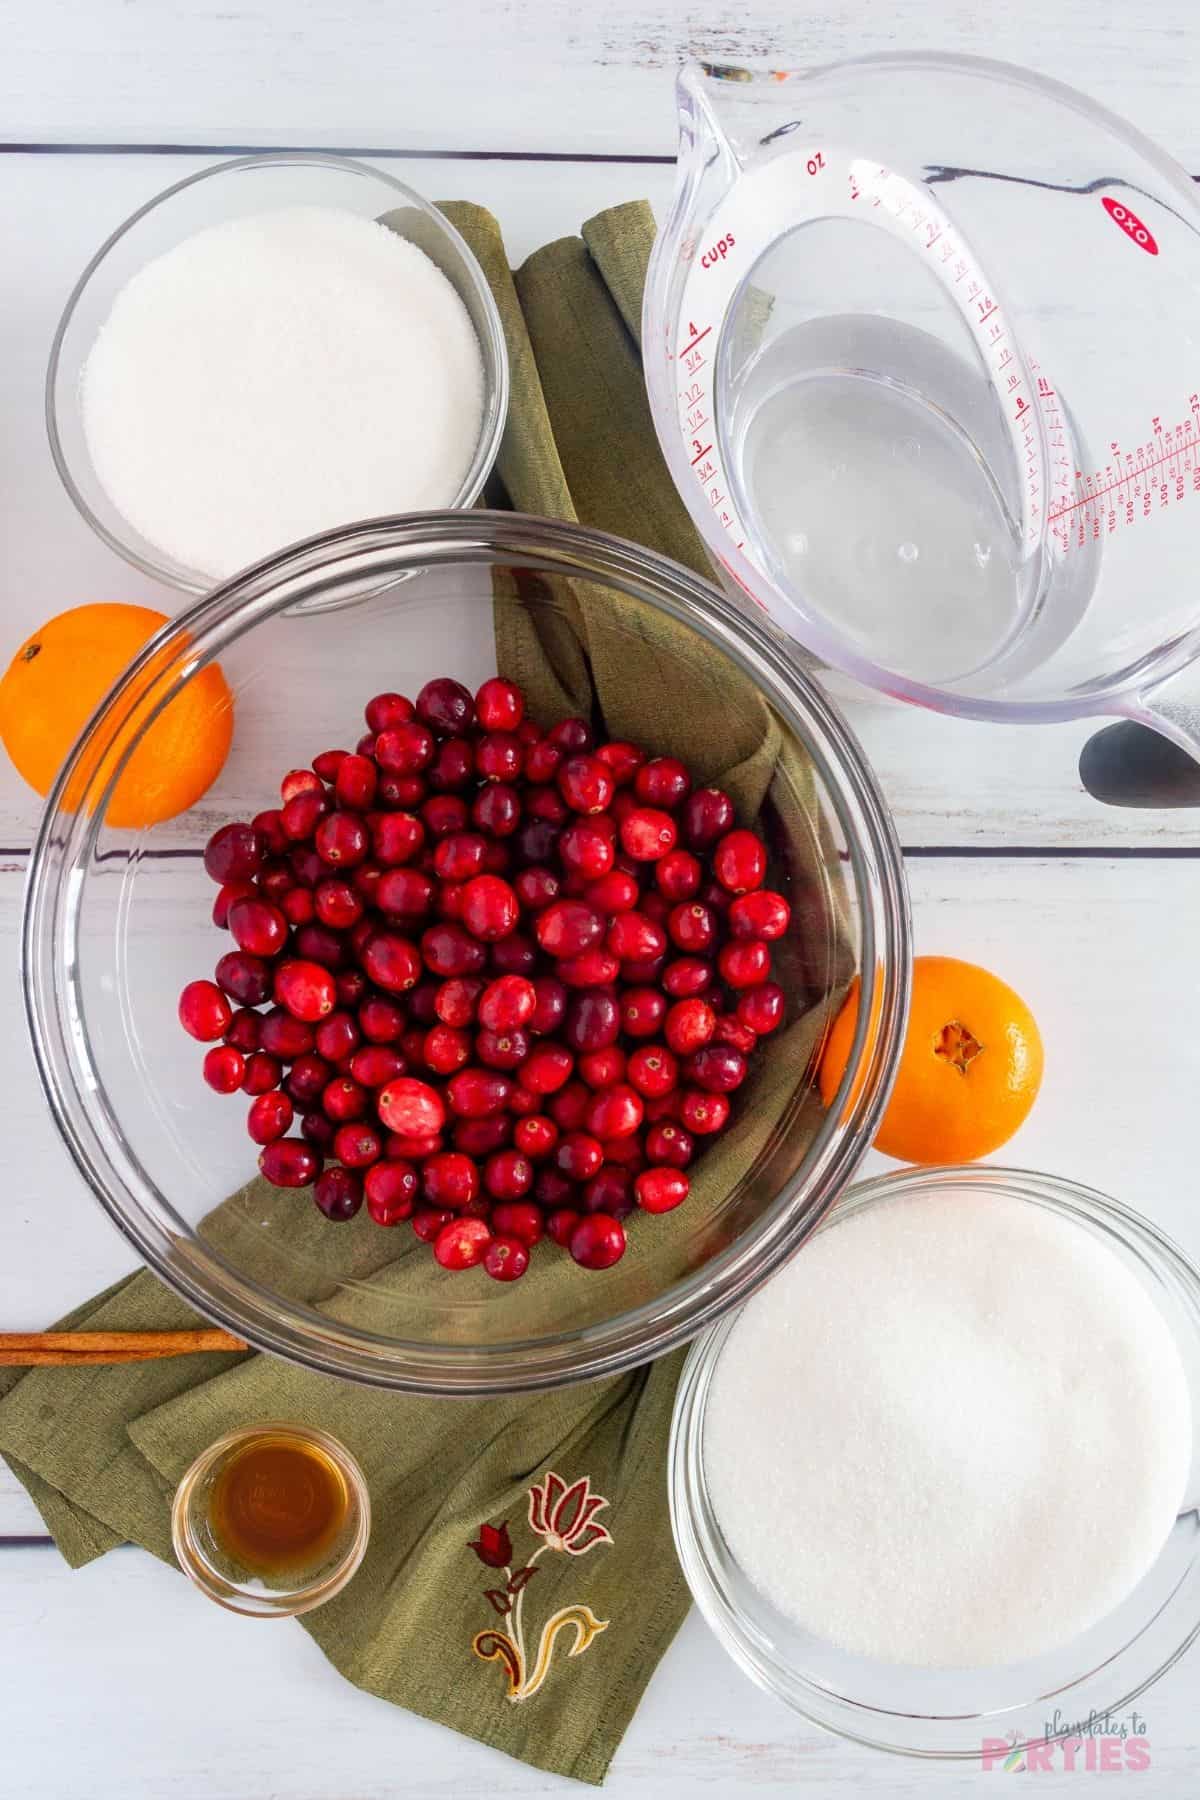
{"type": "Point", "coordinates": [922, 342]}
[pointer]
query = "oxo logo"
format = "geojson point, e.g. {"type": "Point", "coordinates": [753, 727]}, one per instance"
{"type": "Point", "coordinates": [1131, 224]}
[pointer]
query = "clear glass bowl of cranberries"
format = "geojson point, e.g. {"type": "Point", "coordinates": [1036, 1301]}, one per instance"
{"type": "Point", "coordinates": [404, 1053]}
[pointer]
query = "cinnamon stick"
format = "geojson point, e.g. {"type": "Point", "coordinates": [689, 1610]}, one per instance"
{"type": "Point", "coordinates": [60, 1349]}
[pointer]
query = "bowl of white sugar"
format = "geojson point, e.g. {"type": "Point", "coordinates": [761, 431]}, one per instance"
{"type": "Point", "coordinates": [936, 1485]}
{"type": "Point", "coordinates": [274, 348]}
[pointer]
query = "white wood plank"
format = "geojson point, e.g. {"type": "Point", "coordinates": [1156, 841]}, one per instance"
{"type": "Point", "coordinates": [125, 1671]}
{"type": "Point", "coordinates": [949, 781]}
{"type": "Point", "coordinates": [519, 74]}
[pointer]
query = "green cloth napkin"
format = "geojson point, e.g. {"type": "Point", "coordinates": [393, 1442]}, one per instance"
{"type": "Point", "coordinates": [445, 1617]}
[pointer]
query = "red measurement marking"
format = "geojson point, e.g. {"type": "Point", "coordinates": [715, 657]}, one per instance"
{"type": "Point", "coordinates": [700, 335]}
{"type": "Point", "coordinates": [1130, 475]}
{"type": "Point", "coordinates": [701, 453]}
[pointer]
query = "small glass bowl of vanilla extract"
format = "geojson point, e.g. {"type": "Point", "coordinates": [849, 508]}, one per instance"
{"type": "Point", "coordinates": [272, 1520]}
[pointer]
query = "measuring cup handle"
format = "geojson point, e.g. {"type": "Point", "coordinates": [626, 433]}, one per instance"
{"type": "Point", "coordinates": [1131, 764]}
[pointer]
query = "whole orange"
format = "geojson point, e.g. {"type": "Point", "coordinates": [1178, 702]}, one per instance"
{"type": "Point", "coordinates": [969, 1071]}
{"type": "Point", "coordinates": [58, 677]}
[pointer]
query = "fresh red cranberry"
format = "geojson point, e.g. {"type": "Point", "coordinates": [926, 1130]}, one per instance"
{"type": "Point", "coordinates": [446, 706]}
{"type": "Point", "coordinates": [703, 1113]}
{"type": "Point", "coordinates": [507, 1003]}
{"type": "Point", "coordinates": [687, 976]}
{"type": "Point", "coordinates": [506, 1258]}
{"type": "Point", "coordinates": [226, 895]}
{"type": "Point", "coordinates": [404, 894]}
{"type": "Point", "coordinates": [568, 1107]}
{"type": "Point", "coordinates": [542, 761]}
{"type": "Point", "coordinates": [328, 763]}
{"type": "Point", "coordinates": [647, 833]}
{"type": "Point", "coordinates": [391, 962]}
{"type": "Point", "coordinates": [244, 1030]}
{"type": "Point", "coordinates": [284, 1036]}
{"type": "Point", "coordinates": [669, 1143]}
{"type": "Point", "coordinates": [546, 803]}
{"type": "Point", "coordinates": [396, 837]}
{"type": "Point", "coordinates": [550, 1005]}
{"type": "Point", "coordinates": [380, 1020]}
{"type": "Point", "coordinates": [520, 1219]}
{"type": "Point", "coordinates": [224, 1068]}
{"type": "Point", "coordinates": [762, 914]}
{"type": "Point", "coordinates": [578, 1156]}
{"type": "Point", "coordinates": [740, 861]}
{"type": "Point", "coordinates": [475, 1093]}
{"type": "Point", "coordinates": [505, 1050]}
{"type": "Point", "coordinates": [663, 781]}
{"type": "Point", "coordinates": [316, 943]}
{"type": "Point", "coordinates": [537, 888]}
{"type": "Point", "coordinates": [300, 781]}
{"type": "Point", "coordinates": [289, 1162]}
{"type": "Point", "coordinates": [497, 809]}
{"type": "Point", "coordinates": [411, 1107]}
{"type": "Point", "coordinates": [692, 927]}
{"type": "Point", "coordinates": [561, 1223]}
{"type": "Point", "coordinates": [490, 908]}
{"type": "Point", "coordinates": [593, 1021]}
{"type": "Point", "coordinates": [337, 903]}
{"type": "Point", "coordinates": [745, 965]}
{"type": "Point", "coordinates": [689, 1026]}
{"type": "Point", "coordinates": [655, 906]}
{"type": "Point", "coordinates": [652, 1070]}
{"type": "Point", "coordinates": [567, 928]}
{"type": "Point", "coordinates": [537, 840]}
{"type": "Point", "coordinates": [318, 1129]}
{"type": "Point", "coordinates": [366, 745]}
{"type": "Point", "coordinates": [616, 892]}
{"type": "Point", "coordinates": [586, 784]}
{"type": "Point", "coordinates": [449, 950]}
{"type": "Point", "coordinates": [515, 955]}
{"type": "Point", "coordinates": [678, 875]}
{"type": "Point", "coordinates": [402, 1146]}
{"type": "Point", "coordinates": [377, 1064]}
{"type": "Point", "coordinates": [602, 1068]}
{"type": "Point", "coordinates": [351, 986]}
{"type": "Point", "coordinates": [305, 989]}
{"type": "Point", "coordinates": [499, 756]}
{"type": "Point", "coordinates": [386, 711]}
{"type": "Point", "coordinates": [707, 816]}
{"type": "Point", "coordinates": [661, 1190]}
{"type": "Point", "coordinates": [355, 783]}
{"type": "Point", "coordinates": [303, 866]}
{"type": "Point", "coordinates": [499, 705]}
{"type": "Point", "coordinates": [595, 968]}
{"type": "Point", "coordinates": [462, 1243]}
{"type": "Point", "coordinates": [508, 1175]}
{"type": "Point", "coordinates": [337, 1037]}
{"type": "Point", "coordinates": [571, 735]}
{"type": "Point", "coordinates": [298, 906]}
{"type": "Point", "coordinates": [731, 1031]}
{"type": "Point", "coordinates": [234, 853]}
{"type": "Point", "coordinates": [456, 1001]}
{"type": "Point", "coordinates": [392, 1189]}
{"type": "Point", "coordinates": [609, 1191]}
{"type": "Point", "coordinates": [303, 813]}
{"type": "Point", "coordinates": [453, 768]}
{"type": "Point", "coordinates": [479, 1137]}
{"type": "Point", "coordinates": [307, 1078]}
{"type": "Point", "coordinates": [598, 1241]}
{"type": "Point", "coordinates": [204, 1012]}
{"type": "Point", "coordinates": [428, 1221]}
{"type": "Point", "coordinates": [404, 749]}
{"type": "Point", "coordinates": [344, 1098]}
{"type": "Point", "coordinates": [263, 1072]}
{"type": "Point", "coordinates": [622, 760]}
{"type": "Point", "coordinates": [358, 1145]}
{"type": "Point", "coordinates": [460, 855]}
{"type": "Point", "coordinates": [664, 1106]}
{"type": "Point", "coordinates": [587, 849]}
{"type": "Point", "coordinates": [643, 1010]}
{"type": "Point", "coordinates": [446, 1048]}
{"type": "Point", "coordinates": [245, 978]}
{"type": "Point", "coordinates": [616, 1112]}
{"type": "Point", "coordinates": [546, 1068]}
{"type": "Point", "coordinates": [761, 1009]}
{"type": "Point", "coordinates": [625, 1153]}
{"type": "Point", "coordinates": [338, 1193]}
{"type": "Point", "coordinates": [412, 1046]}
{"type": "Point", "coordinates": [404, 793]}
{"type": "Point", "coordinates": [535, 1136]}
{"type": "Point", "coordinates": [718, 1069]}
{"type": "Point", "coordinates": [632, 937]}
{"type": "Point", "coordinates": [365, 880]}
{"type": "Point", "coordinates": [268, 826]}
{"type": "Point", "coordinates": [342, 840]}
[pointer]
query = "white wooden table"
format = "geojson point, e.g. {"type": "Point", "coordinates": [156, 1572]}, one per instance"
{"type": "Point", "coordinates": [120, 1681]}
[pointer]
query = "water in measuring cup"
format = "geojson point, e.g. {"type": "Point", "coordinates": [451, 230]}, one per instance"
{"type": "Point", "coordinates": [876, 478]}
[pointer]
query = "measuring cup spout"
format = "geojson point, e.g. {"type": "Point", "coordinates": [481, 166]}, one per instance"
{"type": "Point", "coordinates": [1151, 758]}
{"type": "Point", "coordinates": [720, 122]}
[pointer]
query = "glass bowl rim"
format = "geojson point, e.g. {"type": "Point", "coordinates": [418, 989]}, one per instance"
{"type": "Point", "coordinates": [834, 1709]}
{"type": "Point", "coordinates": [384, 551]}
{"type": "Point", "coordinates": [494, 350]}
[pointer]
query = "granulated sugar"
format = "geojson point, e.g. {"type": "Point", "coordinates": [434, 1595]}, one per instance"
{"type": "Point", "coordinates": [278, 375]}
{"type": "Point", "coordinates": [954, 1431]}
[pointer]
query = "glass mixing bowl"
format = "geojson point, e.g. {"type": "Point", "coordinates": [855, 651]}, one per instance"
{"type": "Point", "coordinates": [116, 922]}
{"type": "Point", "coordinates": [235, 190]}
{"type": "Point", "coordinates": [947, 1713]}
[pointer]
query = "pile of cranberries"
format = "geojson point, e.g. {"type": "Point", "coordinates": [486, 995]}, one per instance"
{"type": "Point", "coordinates": [511, 977]}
